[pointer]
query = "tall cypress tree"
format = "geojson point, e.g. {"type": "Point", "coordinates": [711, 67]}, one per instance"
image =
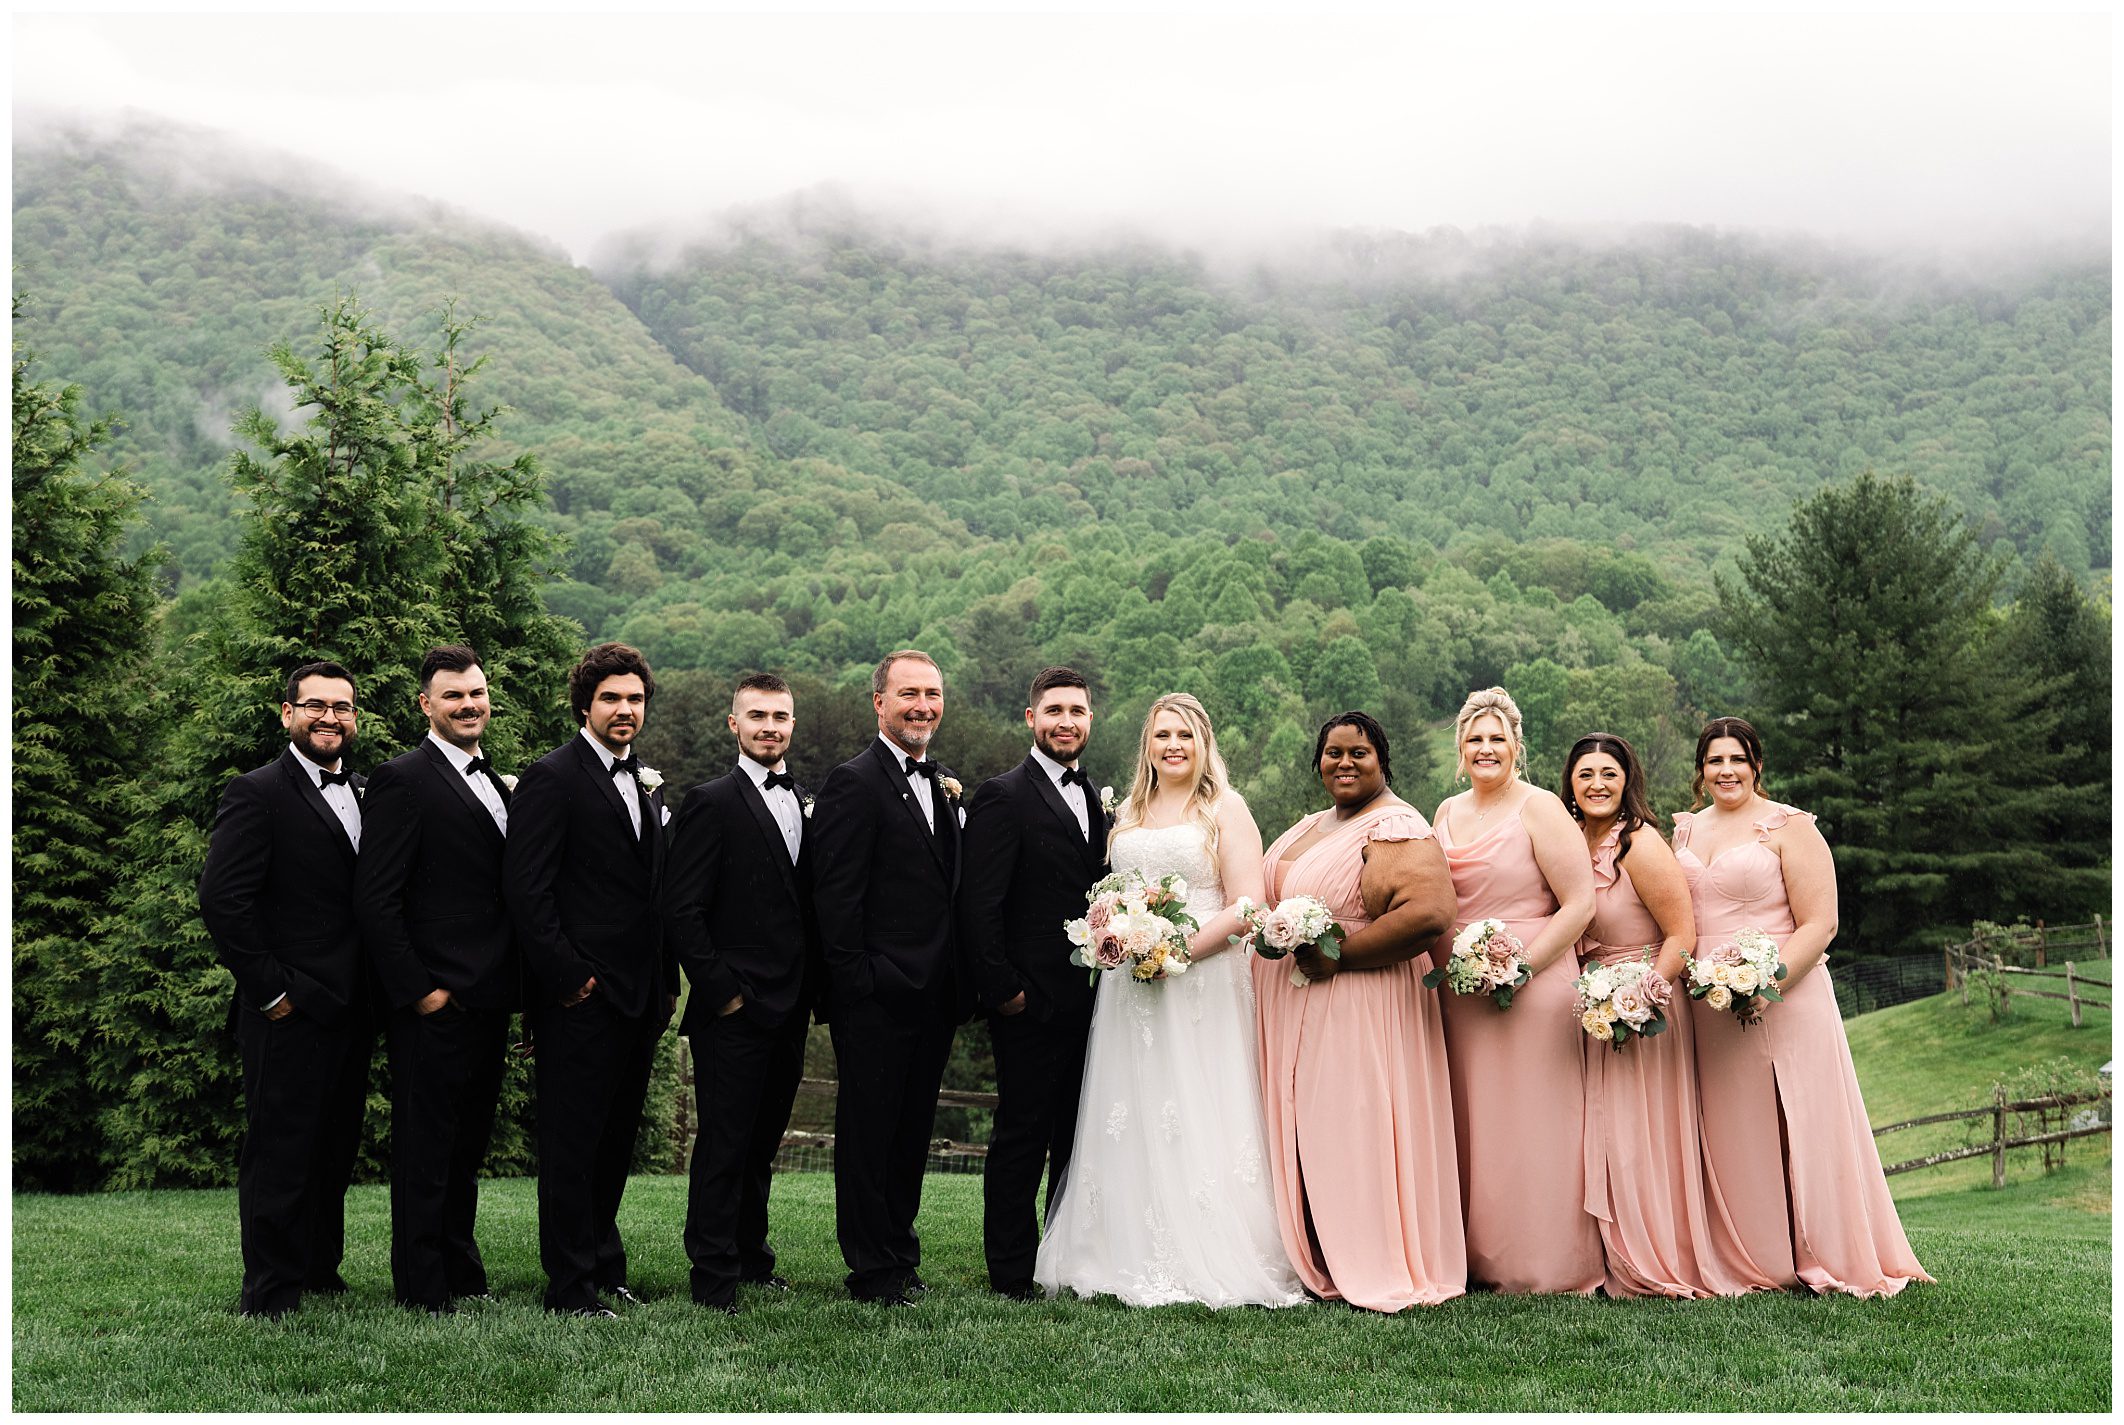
{"type": "Point", "coordinates": [1869, 627]}
{"type": "Point", "coordinates": [371, 533]}
{"type": "Point", "coordinates": [83, 726]}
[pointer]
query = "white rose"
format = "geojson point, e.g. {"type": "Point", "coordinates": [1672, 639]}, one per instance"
{"type": "Point", "coordinates": [509, 780]}
{"type": "Point", "coordinates": [1078, 931]}
{"type": "Point", "coordinates": [1719, 998]}
{"type": "Point", "coordinates": [1744, 979]}
{"type": "Point", "coordinates": [651, 778]}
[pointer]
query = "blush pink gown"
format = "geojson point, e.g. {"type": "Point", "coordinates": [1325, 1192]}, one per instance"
{"type": "Point", "coordinates": [1360, 1125]}
{"type": "Point", "coordinates": [1817, 1212]}
{"type": "Point", "coordinates": [1519, 1096]}
{"type": "Point", "coordinates": [1662, 1233]}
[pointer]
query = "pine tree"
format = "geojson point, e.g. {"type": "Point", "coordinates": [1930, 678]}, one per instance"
{"type": "Point", "coordinates": [1869, 629]}
{"type": "Point", "coordinates": [83, 726]}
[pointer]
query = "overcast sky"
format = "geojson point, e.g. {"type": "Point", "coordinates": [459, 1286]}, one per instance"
{"type": "Point", "coordinates": [1902, 129]}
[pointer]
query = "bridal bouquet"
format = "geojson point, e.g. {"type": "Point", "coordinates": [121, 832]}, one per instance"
{"type": "Point", "coordinates": [1296, 922]}
{"type": "Point", "coordinates": [1740, 975]}
{"type": "Point", "coordinates": [1133, 922]}
{"type": "Point", "coordinates": [1486, 960]}
{"type": "Point", "coordinates": [1617, 1002]}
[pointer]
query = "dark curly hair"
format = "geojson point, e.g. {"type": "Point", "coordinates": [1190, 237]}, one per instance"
{"type": "Point", "coordinates": [607, 660]}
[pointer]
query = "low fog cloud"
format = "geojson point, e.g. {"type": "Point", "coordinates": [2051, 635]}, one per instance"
{"type": "Point", "coordinates": [1254, 132]}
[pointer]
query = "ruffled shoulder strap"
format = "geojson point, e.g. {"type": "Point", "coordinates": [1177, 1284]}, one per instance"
{"type": "Point", "coordinates": [1778, 815]}
{"type": "Point", "coordinates": [1605, 873]}
{"type": "Point", "coordinates": [1683, 821]}
{"type": "Point", "coordinates": [1400, 824]}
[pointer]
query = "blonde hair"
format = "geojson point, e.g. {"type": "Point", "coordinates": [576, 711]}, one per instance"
{"type": "Point", "coordinates": [1210, 781]}
{"type": "Point", "coordinates": [1497, 703]}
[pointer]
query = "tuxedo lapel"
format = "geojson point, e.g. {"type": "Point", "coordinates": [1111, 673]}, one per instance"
{"type": "Point", "coordinates": [594, 767]}
{"type": "Point", "coordinates": [770, 830]}
{"type": "Point", "coordinates": [1052, 795]}
{"type": "Point", "coordinates": [897, 780]}
{"type": "Point", "coordinates": [455, 780]}
{"type": "Point", "coordinates": [310, 793]}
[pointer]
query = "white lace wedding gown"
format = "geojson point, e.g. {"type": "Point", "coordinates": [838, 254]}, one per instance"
{"type": "Point", "coordinates": [1167, 1198]}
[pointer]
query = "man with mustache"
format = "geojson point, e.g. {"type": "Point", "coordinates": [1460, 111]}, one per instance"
{"type": "Point", "coordinates": [583, 869]}
{"type": "Point", "coordinates": [277, 896]}
{"type": "Point", "coordinates": [435, 925]}
{"type": "Point", "coordinates": [1035, 842]}
{"type": "Point", "coordinates": [886, 843]}
{"type": "Point", "coordinates": [738, 914]}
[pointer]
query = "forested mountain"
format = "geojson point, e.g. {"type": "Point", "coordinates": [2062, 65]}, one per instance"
{"type": "Point", "coordinates": [1382, 473]}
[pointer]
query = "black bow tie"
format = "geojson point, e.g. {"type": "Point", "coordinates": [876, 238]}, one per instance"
{"type": "Point", "coordinates": [329, 779]}
{"type": "Point", "coordinates": [781, 779]}
{"type": "Point", "coordinates": [632, 766]}
{"type": "Point", "coordinates": [477, 765]}
{"type": "Point", "coordinates": [1072, 774]}
{"type": "Point", "coordinates": [922, 769]}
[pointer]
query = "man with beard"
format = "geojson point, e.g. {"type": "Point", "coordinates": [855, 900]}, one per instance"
{"type": "Point", "coordinates": [1035, 842]}
{"type": "Point", "coordinates": [886, 843]}
{"type": "Point", "coordinates": [583, 869]}
{"type": "Point", "coordinates": [738, 913]}
{"type": "Point", "coordinates": [428, 895]}
{"type": "Point", "coordinates": [277, 896]}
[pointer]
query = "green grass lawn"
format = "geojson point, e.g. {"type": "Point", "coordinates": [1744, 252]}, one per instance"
{"type": "Point", "coordinates": [125, 1301]}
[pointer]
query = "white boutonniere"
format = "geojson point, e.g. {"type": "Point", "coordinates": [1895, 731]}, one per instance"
{"type": "Point", "coordinates": [951, 787]}
{"type": "Point", "coordinates": [361, 791]}
{"type": "Point", "coordinates": [508, 781]}
{"type": "Point", "coordinates": [651, 778]}
{"type": "Point", "coordinates": [1106, 800]}
{"type": "Point", "coordinates": [809, 803]}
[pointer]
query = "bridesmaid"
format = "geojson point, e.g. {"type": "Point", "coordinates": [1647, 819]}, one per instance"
{"type": "Point", "coordinates": [1353, 1062]}
{"type": "Point", "coordinates": [1786, 1139]}
{"type": "Point", "coordinates": [1519, 1109]}
{"type": "Point", "coordinates": [1644, 1164]}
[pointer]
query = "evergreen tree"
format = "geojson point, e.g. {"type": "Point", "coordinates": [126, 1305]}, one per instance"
{"type": "Point", "coordinates": [1868, 627]}
{"type": "Point", "coordinates": [83, 727]}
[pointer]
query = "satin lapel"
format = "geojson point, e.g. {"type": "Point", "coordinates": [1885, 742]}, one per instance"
{"type": "Point", "coordinates": [455, 780]}
{"type": "Point", "coordinates": [598, 772]}
{"type": "Point", "coordinates": [308, 789]}
{"type": "Point", "coordinates": [1052, 795]}
{"type": "Point", "coordinates": [778, 849]}
{"type": "Point", "coordinates": [896, 778]}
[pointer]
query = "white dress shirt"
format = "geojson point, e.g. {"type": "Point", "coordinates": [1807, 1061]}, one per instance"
{"type": "Point", "coordinates": [1073, 796]}
{"type": "Point", "coordinates": [621, 781]}
{"type": "Point", "coordinates": [339, 797]}
{"type": "Point", "coordinates": [481, 784]}
{"type": "Point", "coordinates": [781, 804]}
{"type": "Point", "coordinates": [924, 788]}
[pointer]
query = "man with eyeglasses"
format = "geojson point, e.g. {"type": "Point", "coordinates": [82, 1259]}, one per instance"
{"type": "Point", "coordinates": [277, 896]}
{"type": "Point", "coordinates": [435, 924]}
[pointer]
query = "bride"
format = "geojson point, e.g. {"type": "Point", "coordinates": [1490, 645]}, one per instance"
{"type": "Point", "coordinates": [1168, 1198]}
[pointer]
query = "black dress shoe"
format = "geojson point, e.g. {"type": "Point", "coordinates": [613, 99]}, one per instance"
{"type": "Point", "coordinates": [1019, 1291]}
{"type": "Point", "coordinates": [913, 1286]}
{"type": "Point", "coordinates": [721, 1308]}
{"type": "Point", "coordinates": [893, 1300]}
{"type": "Point", "coordinates": [624, 1296]}
{"type": "Point", "coordinates": [264, 1313]}
{"type": "Point", "coordinates": [602, 1313]}
{"type": "Point", "coordinates": [769, 1282]}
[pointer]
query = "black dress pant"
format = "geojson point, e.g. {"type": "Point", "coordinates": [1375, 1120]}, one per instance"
{"type": "Point", "coordinates": [304, 1087]}
{"type": "Point", "coordinates": [446, 1075]}
{"type": "Point", "coordinates": [1039, 1072]}
{"type": "Point", "coordinates": [592, 1069]}
{"type": "Point", "coordinates": [744, 1082]}
{"type": "Point", "coordinates": [890, 1065]}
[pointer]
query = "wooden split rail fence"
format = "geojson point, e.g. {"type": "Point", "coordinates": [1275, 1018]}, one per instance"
{"type": "Point", "coordinates": [1996, 1148]}
{"type": "Point", "coordinates": [1986, 956]}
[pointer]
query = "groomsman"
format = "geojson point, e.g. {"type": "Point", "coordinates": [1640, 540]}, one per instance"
{"type": "Point", "coordinates": [1035, 842]}
{"type": "Point", "coordinates": [277, 896]}
{"type": "Point", "coordinates": [886, 852]}
{"type": "Point", "coordinates": [583, 868]}
{"type": "Point", "coordinates": [738, 913]}
{"type": "Point", "coordinates": [428, 895]}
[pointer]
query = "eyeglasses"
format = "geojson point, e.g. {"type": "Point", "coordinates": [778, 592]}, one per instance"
{"type": "Point", "coordinates": [313, 708]}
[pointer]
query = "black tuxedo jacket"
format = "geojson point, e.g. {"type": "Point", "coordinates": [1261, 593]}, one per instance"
{"type": "Point", "coordinates": [585, 893]}
{"type": "Point", "coordinates": [428, 890]}
{"type": "Point", "coordinates": [736, 911]}
{"type": "Point", "coordinates": [883, 886]}
{"type": "Point", "coordinates": [277, 893]}
{"type": "Point", "coordinates": [1027, 871]}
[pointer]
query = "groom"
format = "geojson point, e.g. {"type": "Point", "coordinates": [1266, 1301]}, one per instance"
{"type": "Point", "coordinates": [1035, 843]}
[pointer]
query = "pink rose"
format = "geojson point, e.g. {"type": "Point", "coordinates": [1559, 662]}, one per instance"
{"type": "Point", "coordinates": [1108, 949]}
{"type": "Point", "coordinates": [1100, 913]}
{"type": "Point", "coordinates": [1657, 992]}
{"type": "Point", "coordinates": [1630, 1005]}
{"type": "Point", "coordinates": [1726, 954]}
{"type": "Point", "coordinates": [1280, 929]}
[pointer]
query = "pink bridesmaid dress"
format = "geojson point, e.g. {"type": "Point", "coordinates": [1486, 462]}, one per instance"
{"type": "Point", "coordinates": [1662, 1234]}
{"type": "Point", "coordinates": [1354, 1090]}
{"type": "Point", "coordinates": [1519, 1097]}
{"type": "Point", "coordinates": [1818, 1212]}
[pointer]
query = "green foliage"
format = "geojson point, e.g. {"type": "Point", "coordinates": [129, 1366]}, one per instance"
{"type": "Point", "coordinates": [84, 726]}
